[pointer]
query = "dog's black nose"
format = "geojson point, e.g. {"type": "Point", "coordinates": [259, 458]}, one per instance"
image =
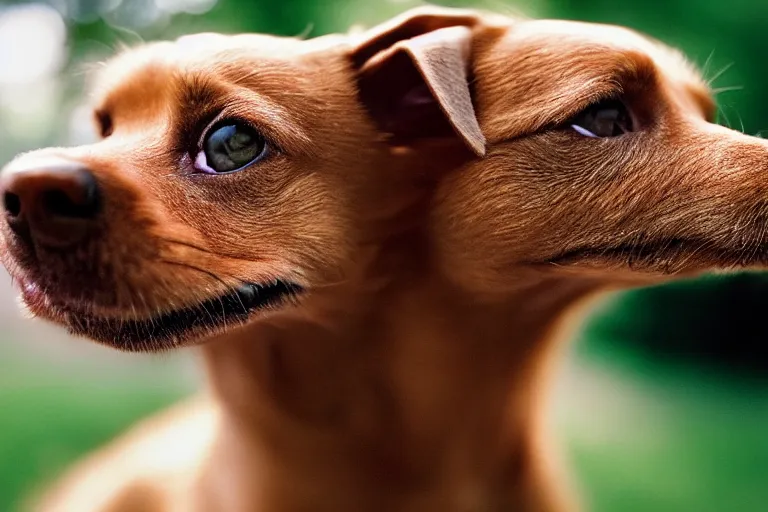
{"type": "Point", "coordinates": [54, 202]}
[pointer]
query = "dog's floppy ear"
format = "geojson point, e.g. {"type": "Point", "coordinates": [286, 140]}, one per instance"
{"type": "Point", "coordinates": [414, 76]}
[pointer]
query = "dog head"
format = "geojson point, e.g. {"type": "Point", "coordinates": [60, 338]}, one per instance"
{"type": "Point", "coordinates": [235, 177]}
{"type": "Point", "coordinates": [601, 160]}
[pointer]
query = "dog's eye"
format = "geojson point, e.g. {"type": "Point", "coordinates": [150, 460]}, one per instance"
{"type": "Point", "coordinates": [608, 118]}
{"type": "Point", "coordinates": [230, 146]}
{"type": "Point", "coordinates": [104, 122]}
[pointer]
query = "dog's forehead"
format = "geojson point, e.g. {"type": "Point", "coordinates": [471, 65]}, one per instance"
{"type": "Point", "coordinates": [197, 52]}
{"type": "Point", "coordinates": [621, 37]}
{"type": "Point", "coordinates": [588, 46]}
{"type": "Point", "coordinates": [621, 40]}
{"type": "Point", "coordinates": [207, 43]}
{"type": "Point", "coordinates": [144, 79]}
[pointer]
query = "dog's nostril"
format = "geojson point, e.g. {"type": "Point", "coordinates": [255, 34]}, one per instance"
{"type": "Point", "coordinates": [12, 204]}
{"type": "Point", "coordinates": [60, 204]}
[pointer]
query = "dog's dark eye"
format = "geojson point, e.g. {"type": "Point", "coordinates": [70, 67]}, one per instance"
{"type": "Point", "coordinates": [104, 122]}
{"type": "Point", "coordinates": [608, 118]}
{"type": "Point", "coordinates": [230, 146]}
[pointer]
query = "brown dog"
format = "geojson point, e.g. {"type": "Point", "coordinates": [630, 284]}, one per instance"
{"type": "Point", "coordinates": [368, 353]}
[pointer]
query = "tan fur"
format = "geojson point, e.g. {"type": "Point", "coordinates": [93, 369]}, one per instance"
{"type": "Point", "coordinates": [411, 375]}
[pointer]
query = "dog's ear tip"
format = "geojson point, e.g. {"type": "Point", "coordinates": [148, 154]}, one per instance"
{"type": "Point", "coordinates": [478, 148]}
{"type": "Point", "coordinates": [413, 75]}
{"type": "Point", "coordinates": [475, 143]}
{"type": "Point", "coordinates": [471, 135]}
{"type": "Point", "coordinates": [412, 22]}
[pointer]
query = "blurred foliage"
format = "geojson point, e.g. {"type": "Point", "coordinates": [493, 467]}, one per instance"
{"type": "Point", "coordinates": [46, 428]}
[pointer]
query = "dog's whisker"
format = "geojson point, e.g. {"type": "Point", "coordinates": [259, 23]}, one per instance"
{"type": "Point", "coordinates": [208, 312]}
{"type": "Point", "coordinates": [707, 63]}
{"type": "Point", "coordinates": [721, 90]}
{"type": "Point", "coordinates": [223, 313]}
{"type": "Point", "coordinates": [504, 8]}
{"type": "Point", "coordinates": [201, 249]}
{"type": "Point", "coordinates": [306, 32]}
{"type": "Point", "coordinates": [124, 45]}
{"type": "Point", "coordinates": [721, 110]}
{"type": "Point", "coordinates": [741, 121]}
{"type": "Point", "coordinates": [219, 279]}
{"type": "Point", "coordinates": [210, 274]}
{"type": "Point", "coordinates": [720, 73]}
{"type": "Point", "coordinates": [185, 243]}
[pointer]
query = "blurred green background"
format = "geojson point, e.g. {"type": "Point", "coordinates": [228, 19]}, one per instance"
{"type": "Point", "coordinates": [663, 402]}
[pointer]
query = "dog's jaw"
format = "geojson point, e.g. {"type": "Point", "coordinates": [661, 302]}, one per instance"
{"type": "Point", "coordinates": [164, 330]}
{"type": "Point", "coordinates": [652, 260]}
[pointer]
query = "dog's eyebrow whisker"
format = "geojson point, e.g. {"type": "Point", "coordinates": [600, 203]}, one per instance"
{"type": "Point", "coordinates": [132, 33]}
{"type": "Point", "coordinates": [503, 8]}
{"type": "Point", "coordinates": [306, 32]}
{"type": "Point", "coordinates": [86, 68]}
{"type": "Point", "coordinates": [721, 90]}
{"type": "Point", "coordinates": [721, 111]}
{"type": "Point", "coordinates": [707, 63]}
{"type": "Point", "coordinates": [720, 73]}
{"type": "Point", "coordinates": [741, 121]}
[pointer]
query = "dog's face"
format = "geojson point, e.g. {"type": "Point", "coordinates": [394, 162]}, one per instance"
{"type": "Point", "coordinates": [234, 175]}
{"type": "Point", "coordinates": [602, 161]}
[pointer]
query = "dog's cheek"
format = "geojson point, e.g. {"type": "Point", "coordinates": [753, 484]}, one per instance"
{"type": "Point", "coordinates": [480, 222]}
{"type": "Point", "coordinates": [524, 203]}
{"type": "Point", "coordinates": [264, 218]}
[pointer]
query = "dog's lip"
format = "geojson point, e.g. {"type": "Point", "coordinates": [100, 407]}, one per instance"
{"type": "Point", "coordinates": [661, 254]}
{"type": "Point", "coordinates": [31, 292]}
{"type": "Point", "coordinates": [620, 250]}
{"type": "Point", "coordinates": [234, 307]}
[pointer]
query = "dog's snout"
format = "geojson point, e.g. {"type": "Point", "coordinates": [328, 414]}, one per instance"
{"type": "Point", "coordinates": [53, 202]}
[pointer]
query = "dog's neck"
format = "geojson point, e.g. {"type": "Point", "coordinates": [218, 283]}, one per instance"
{"type": "Point", "coordinates": [420, 399]}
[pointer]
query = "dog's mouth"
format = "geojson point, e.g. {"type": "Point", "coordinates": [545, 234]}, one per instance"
{"type": "Point", "coordinates": [170, 329]}
{"type": "Point", "coordinates": [664, 256]}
